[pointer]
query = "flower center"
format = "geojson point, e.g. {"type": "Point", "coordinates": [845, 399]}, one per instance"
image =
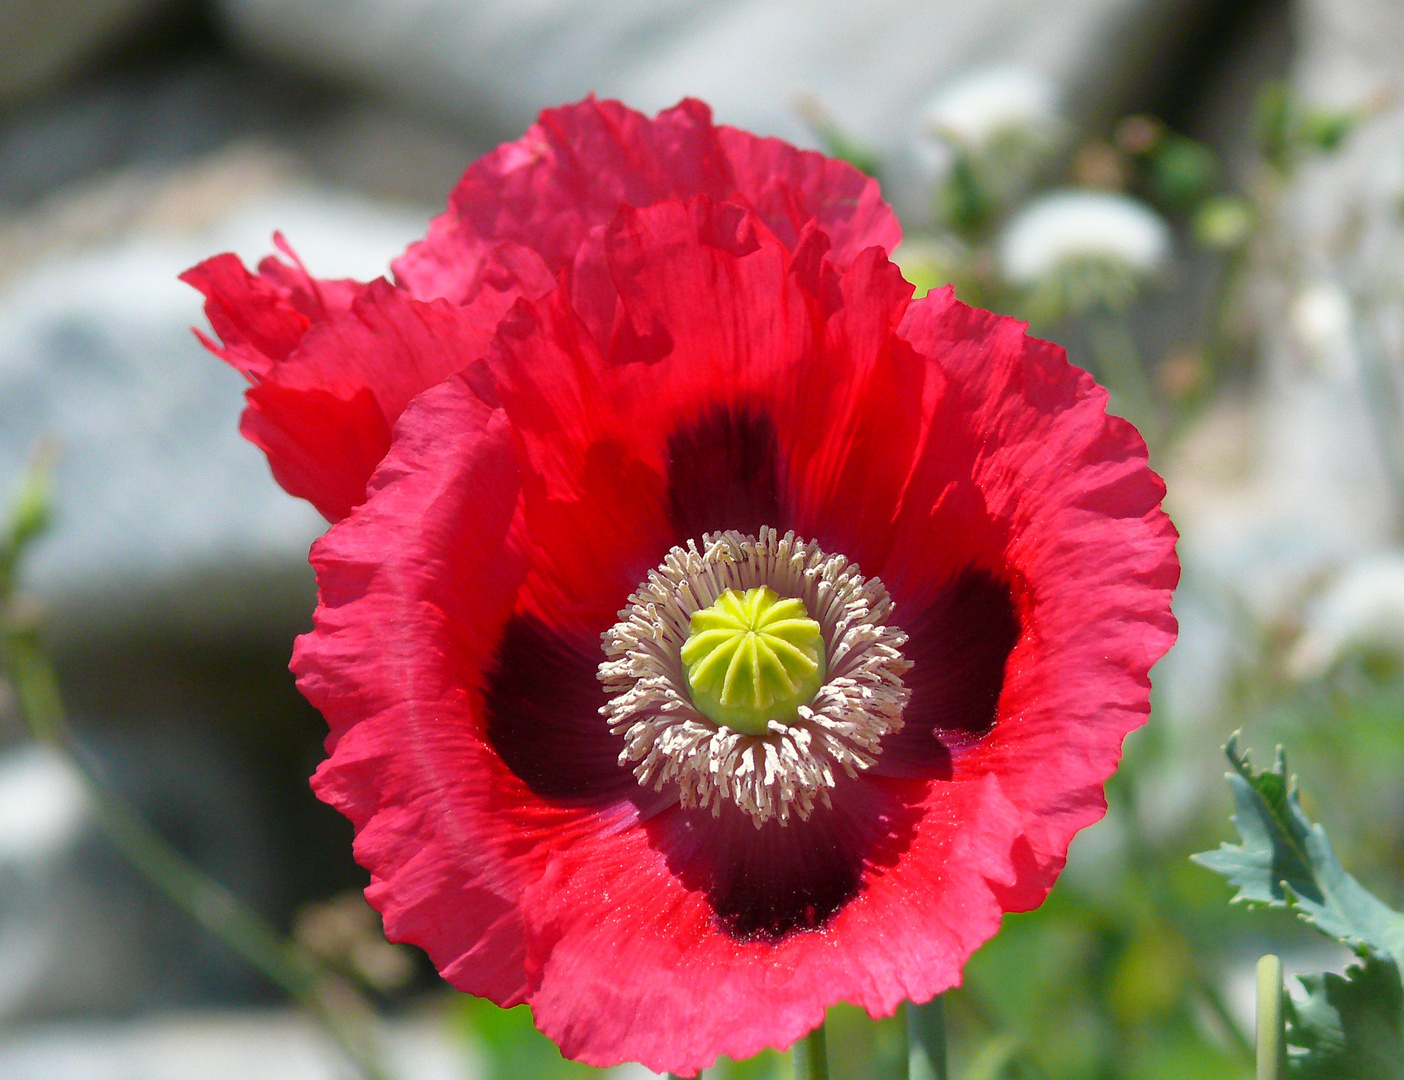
{"type": "Point", "coordinates": [754, 669]}
{"type": "Point", "coordinates": [752, 658]}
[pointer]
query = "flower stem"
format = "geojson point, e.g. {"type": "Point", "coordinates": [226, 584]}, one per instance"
{"type": "Point", "coordinates": [1121, 368]}
{"type": "Point", "coordinates": [1213, 998]}
{"type": "Point", "coordinates": [1272, 1046]}
{"type": "Point", "coordinates": [336, 1005]}
{"type": "Point", "coordinates": [926, 1040]}
{"type": "Point", "coordinates": [812, 1056]}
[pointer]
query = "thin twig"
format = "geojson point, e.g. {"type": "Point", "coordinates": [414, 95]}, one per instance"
{"type": "Point", "coordinates": [341, 1011]}
{"type": "Point", "coordinates": [926, 1040]}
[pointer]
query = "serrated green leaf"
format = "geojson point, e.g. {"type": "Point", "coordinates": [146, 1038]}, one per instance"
{"type": "Point", "coordinates": [1285, 860]}
{"type": "Point", "coordinates": [1349, 1027]}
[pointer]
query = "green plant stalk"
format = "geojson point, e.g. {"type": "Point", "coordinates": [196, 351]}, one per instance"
{"type": "Point", "coordinates": [812, 1056]}
{"type": "Point", "coordinates": [1272, 1042]}
{"type": "Point", "coordinates": [1144, 865]}
{"type": "Point", "coordinates": [207, 901]}
{"type": "Point", "coordinates": [1123, 370]}
{"type": "Point", "coordinates": [1213, 998]}
{"type": "Point", "coordinates": [926, 1040]}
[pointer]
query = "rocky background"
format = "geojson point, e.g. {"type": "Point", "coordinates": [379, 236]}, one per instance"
{"type": "Point", "coordinates": [139, 136]}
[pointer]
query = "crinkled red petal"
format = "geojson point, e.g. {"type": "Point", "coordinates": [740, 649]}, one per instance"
{"type": "Point", "coordinates": [1024, 477]}
{"type": "Point", "coordinates": [396, 664]}
{"type": "Point", "coordinates": [792, 189]}
{"type": "Point", "coordinates": [255, 317]}
{"type": "Point", "coordinates": [334, 363]}
{"type": "Point", "coordinates": [574, 169]}
{"type": "Point", "coordinates": [530, 211]}
{"type": "Point", "coordinates": [417, 589]}
{"type": "Point", "coordinates": [740, 369]}
{"type": "Point", "coordinates": [610, 904]}
{"type": "Point", "coordinates": [324, 414]}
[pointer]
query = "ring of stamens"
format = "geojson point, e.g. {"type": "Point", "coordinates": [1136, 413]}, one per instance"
{"type": "Point", "coordinates": [793, 765]}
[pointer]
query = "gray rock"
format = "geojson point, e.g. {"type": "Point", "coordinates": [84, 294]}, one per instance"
{"type": "Point", "coordinates": [870, 66]}
{"type": "Point", "coordinates": [263, 1044]}
{"type": "Point", "coordinates": [163, 511]}
{"type": "Point", "coordinates": [43, 814]}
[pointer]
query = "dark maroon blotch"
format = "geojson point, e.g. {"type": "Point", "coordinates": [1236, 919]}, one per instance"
{"type": "Point", "coordinates": [542, 704]}
{"type": "Point", "coordinates": [723, 473]}
{"type": "Point", "coordinates": [958, 647]}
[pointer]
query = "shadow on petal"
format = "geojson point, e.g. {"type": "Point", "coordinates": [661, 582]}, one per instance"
{"type": "Point", "coordinates": [542, 705]}
{"type": "Point", "coordinates": [771, 882]}
{"type": "Point", "coordinates": [958, 647]}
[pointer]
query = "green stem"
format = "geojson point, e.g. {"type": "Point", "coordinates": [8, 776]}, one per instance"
{"type": "Point", "coordinates": [926, 1040]}
{"type": "Point", "coordinates": [812, 1056]}
{"type": "Point", "coordinates": [1123, 370]}
{"type": "Point", "coordinates": [209, 903]}
{"type": "Point", "coordinates": [1213, 997]}
{"type": "Point", "coordinates": [1145, 867]}
{"type": "Point", "coordinates": [1272, 1044]}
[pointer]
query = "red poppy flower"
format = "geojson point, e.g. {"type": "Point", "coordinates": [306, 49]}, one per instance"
{"type": "Point", "coordinates": [721, 633]}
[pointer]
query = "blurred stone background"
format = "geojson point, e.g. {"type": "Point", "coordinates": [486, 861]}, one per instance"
{"type": "Point", "coordinates": [139, 136]}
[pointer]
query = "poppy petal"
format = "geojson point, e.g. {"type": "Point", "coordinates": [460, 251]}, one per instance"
{"type": "Point", "coordinates": [612, 903]}
{"type": "Point", "coordinates": [1026, 479]}
{"type": "Point", "coordinates": [324, 414]}
{"type": "Point", "coordinates": [567, 177]}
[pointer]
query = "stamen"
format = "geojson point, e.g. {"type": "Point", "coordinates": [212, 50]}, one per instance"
{"type": "Point", "coordinates": [789, 764]}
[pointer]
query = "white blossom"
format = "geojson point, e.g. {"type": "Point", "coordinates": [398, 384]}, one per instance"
{"type": "Point", "coordinates": [1065, 227]}
{"type": "Point", "coordinates": [1321, 317]}
{"type": "Point", "coordinates": [997, 102]}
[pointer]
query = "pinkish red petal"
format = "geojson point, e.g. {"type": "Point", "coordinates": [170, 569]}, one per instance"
{"type": "Point", "coordinates": [634, 902]}
{"type": "Point", "coordinates": [855, 439]}
{"type": "Point", "coordinates": [257, 321]}
{"type": "Point", "coordinates": [791, 188]}
{"type": "Point", "coordinates": [334, 363]}
{"type": "Point", "coordinates": [530, 212]}
{"type": "Point", "coordinates": [315, 298]}
{"type": "Point", "coordinates": [324, 414]}
{"type": "Point", "coordinates": [573, 170]}
{"type": "Point", "coordinates": [1026, 479]}
{"type": "Point", "coordinates": [414, 628]}
{"type": "Point", "coordinates": [376, 668]}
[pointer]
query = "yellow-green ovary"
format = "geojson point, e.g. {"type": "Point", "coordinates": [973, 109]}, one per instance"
{"type": "Point", "coordinates": [751, 658]}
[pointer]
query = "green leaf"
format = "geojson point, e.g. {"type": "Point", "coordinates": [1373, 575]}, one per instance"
{"type": "Point", "coordinates": [1285, 860]}
{"type": "Point", "coordinates": [511, 1045]}
{"type": "Point", "coordinates": [1351, 1027]}
{"type": "Point", "coordinates": [28, 516]}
